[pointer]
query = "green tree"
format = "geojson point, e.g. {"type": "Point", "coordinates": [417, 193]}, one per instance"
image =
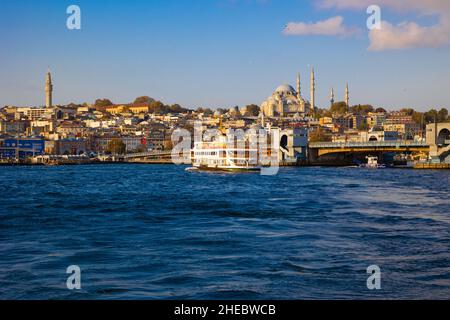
{"type": "Point", "coordinates": [157, 107]}
{"type": "Point", "coordinates": [222, 110]}
{"type": "Point", "coordinates": [407, 111]}
{"type": "Point", "coordinates": [362, 109]}
{"type": "Point", "coordinates": [116, 146]}
{"type": "Point", "coordinates": [380, 110]}
{"type": "Point", "coordinates": [324, 113]}
{"type": "Point", "coordinates": [143, 99]}
{"type": "Point", "coordinates": [431, 116]}
{"type": "Point", "coordinates": [338, 108]}
{"type": "Point", "coordinates": [176, 108]}
{"type": "Point", "coordinates": [442, 115]}
{"type": "Point", "coordinates": [74, 105]}
{"type": "Point", "coordinates": [418, 117]}
{"type": "Point", "coordinates": [252, 110]}
{"type": "Point", "coordinates": [103, 103]}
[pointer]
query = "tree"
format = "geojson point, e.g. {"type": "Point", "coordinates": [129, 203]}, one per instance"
{"type": "Point", "coordinates": [176, 108]}
{"type": "Point", "coordinates": [143, 99]}
{"type": "Point", "coordinates": [252, 110]}
{"type": "Point", "coordinates": [338, 107]}
{"type": "Point", "coordinates": [418, 117]}
{"type": "Point", "coordinates": [116, 146]}
{"type": "Point", "coordinates": [324, 113]}
{"type": "Point", "coordinates": [380, 110]}
{"type": "Point", "coordinates": [222, 110]}
{"type": "Point", "coordinates": [205, 111]}
{"type": "Point", "coordinates": [103, 103]}
{"type": "Point", "coordinates": [74, 105]}
{"type": "Point", "coordinates": [431, 116]}
{"type": "Point", "coordinates": [362, 109]}
{"type": "Point", "coordinates": [407, 111]}
{"type": "Point", "coordinates": [442, 115]}
{"type": "Point", "coordinates": [319, 135]}
{"type": "Point", "coordinates": [157, 107]}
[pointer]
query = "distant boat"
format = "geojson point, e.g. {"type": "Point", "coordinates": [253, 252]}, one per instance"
{"type": "Point", "coordinates": [372, 163]}
{"type": "Point", "coordinates": [404, 161]}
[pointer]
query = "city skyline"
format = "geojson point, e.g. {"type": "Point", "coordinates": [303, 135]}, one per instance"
{"type": "Point", "coordinates": [222, 53]}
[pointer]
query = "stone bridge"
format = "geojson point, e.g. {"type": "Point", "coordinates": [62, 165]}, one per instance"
{"type": "Point", "coordinates": [323, 148]}
{"type": "Point", "coordinates": [438, 137]}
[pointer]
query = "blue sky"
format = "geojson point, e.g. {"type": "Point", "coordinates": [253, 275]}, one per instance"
{"type": "Point", "coordinates": [211, 53]}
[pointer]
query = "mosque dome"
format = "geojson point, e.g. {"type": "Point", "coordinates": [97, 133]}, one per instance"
{"type": "Point", "coordinates": [285, 88]}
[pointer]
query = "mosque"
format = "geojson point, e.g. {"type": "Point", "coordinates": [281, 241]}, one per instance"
{"type": "Point", "coordinates": [286, 101]}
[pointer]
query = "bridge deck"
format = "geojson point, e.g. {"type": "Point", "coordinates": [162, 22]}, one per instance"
{"type": "Point", "coordinates": [370, 144]}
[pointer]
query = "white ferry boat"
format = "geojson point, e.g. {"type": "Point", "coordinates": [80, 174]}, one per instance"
{"type": "Point", "coordinates": [217, 155]}
{"type": "Point", "coordinates": [372, 163]}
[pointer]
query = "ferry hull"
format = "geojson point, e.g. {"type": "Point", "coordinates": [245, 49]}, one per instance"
{"type": "Point", "coordinates": [229, 169]}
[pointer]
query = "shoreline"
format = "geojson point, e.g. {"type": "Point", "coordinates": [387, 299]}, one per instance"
{"type": "Point", "coordinates": [421, 167]}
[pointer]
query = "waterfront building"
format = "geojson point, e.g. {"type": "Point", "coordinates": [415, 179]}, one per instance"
{"type": "Point", "coordinates": [381, 135]}
{"type": "Point", "coordinates": [14, 127]}
{"type": "Point", "coordinates": [132, 143]}
{"type": "Point", "coordinates": [29, 113]}
{"type": "Point", "coordinates": [326, 121]}
{"type": "Point", "coordinates": [66, 147]}
{"type": "Point", "coordinates": [405, 130]}
{"type": "Point", "coordinates": [139, 108]}
{"type": "Point", "coordinates": [158, 136]}
{"type": "Point", "coordinates": [376, 119]}
{"type": "Point", "coordinates": [127, 109]}
{"type": "Point", "coordinates": [21, 147]}
{"type": "Point", "coordinates": [68, 129]}
{"type": "Point", "coordinates": [357, 121]}
{"type": "Point", "coordinates": [344, 122]}
{"type": "Point", "coordinates": [40, 127]}
{"type": "Point", "coordinates": [347, 136]}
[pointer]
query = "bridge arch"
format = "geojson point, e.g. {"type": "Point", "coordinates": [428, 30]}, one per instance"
{"type": "Point", "coordinates": [443, 136]}
{"type": "Point", "coordinates": [284, 141]}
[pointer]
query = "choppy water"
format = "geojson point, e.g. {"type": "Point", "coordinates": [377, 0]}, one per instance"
{"type": "Point", "coordinates": [150, 232]}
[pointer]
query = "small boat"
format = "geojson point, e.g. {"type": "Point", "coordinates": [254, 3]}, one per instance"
{"type": "Point", "coordinates": [372, 163]}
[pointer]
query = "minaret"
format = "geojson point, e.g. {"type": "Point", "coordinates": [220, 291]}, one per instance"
{"type": "Point", "coordinates": [313, 91]}
{"type": "Point", "coordinates": [48, 90]}
{"type": "Point", "coordinates": [299, 87]}
{"type": "Point", "coordinates": [281, 107]}
{"type": "Point", "coordinates": [347, 97]}
{"type": "Point", "coordinates": [332, 96]}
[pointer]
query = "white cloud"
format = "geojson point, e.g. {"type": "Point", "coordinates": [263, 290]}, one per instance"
{"type": "Point", "coordinates": [330, 27]}
{"type": "Point", "coordinates": [422, 6]}
{"type": "Point", "coordinates": [408, 35]}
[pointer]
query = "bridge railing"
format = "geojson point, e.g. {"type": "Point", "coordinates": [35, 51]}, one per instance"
{"type": "Point", "coordinates": [370, 144]}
